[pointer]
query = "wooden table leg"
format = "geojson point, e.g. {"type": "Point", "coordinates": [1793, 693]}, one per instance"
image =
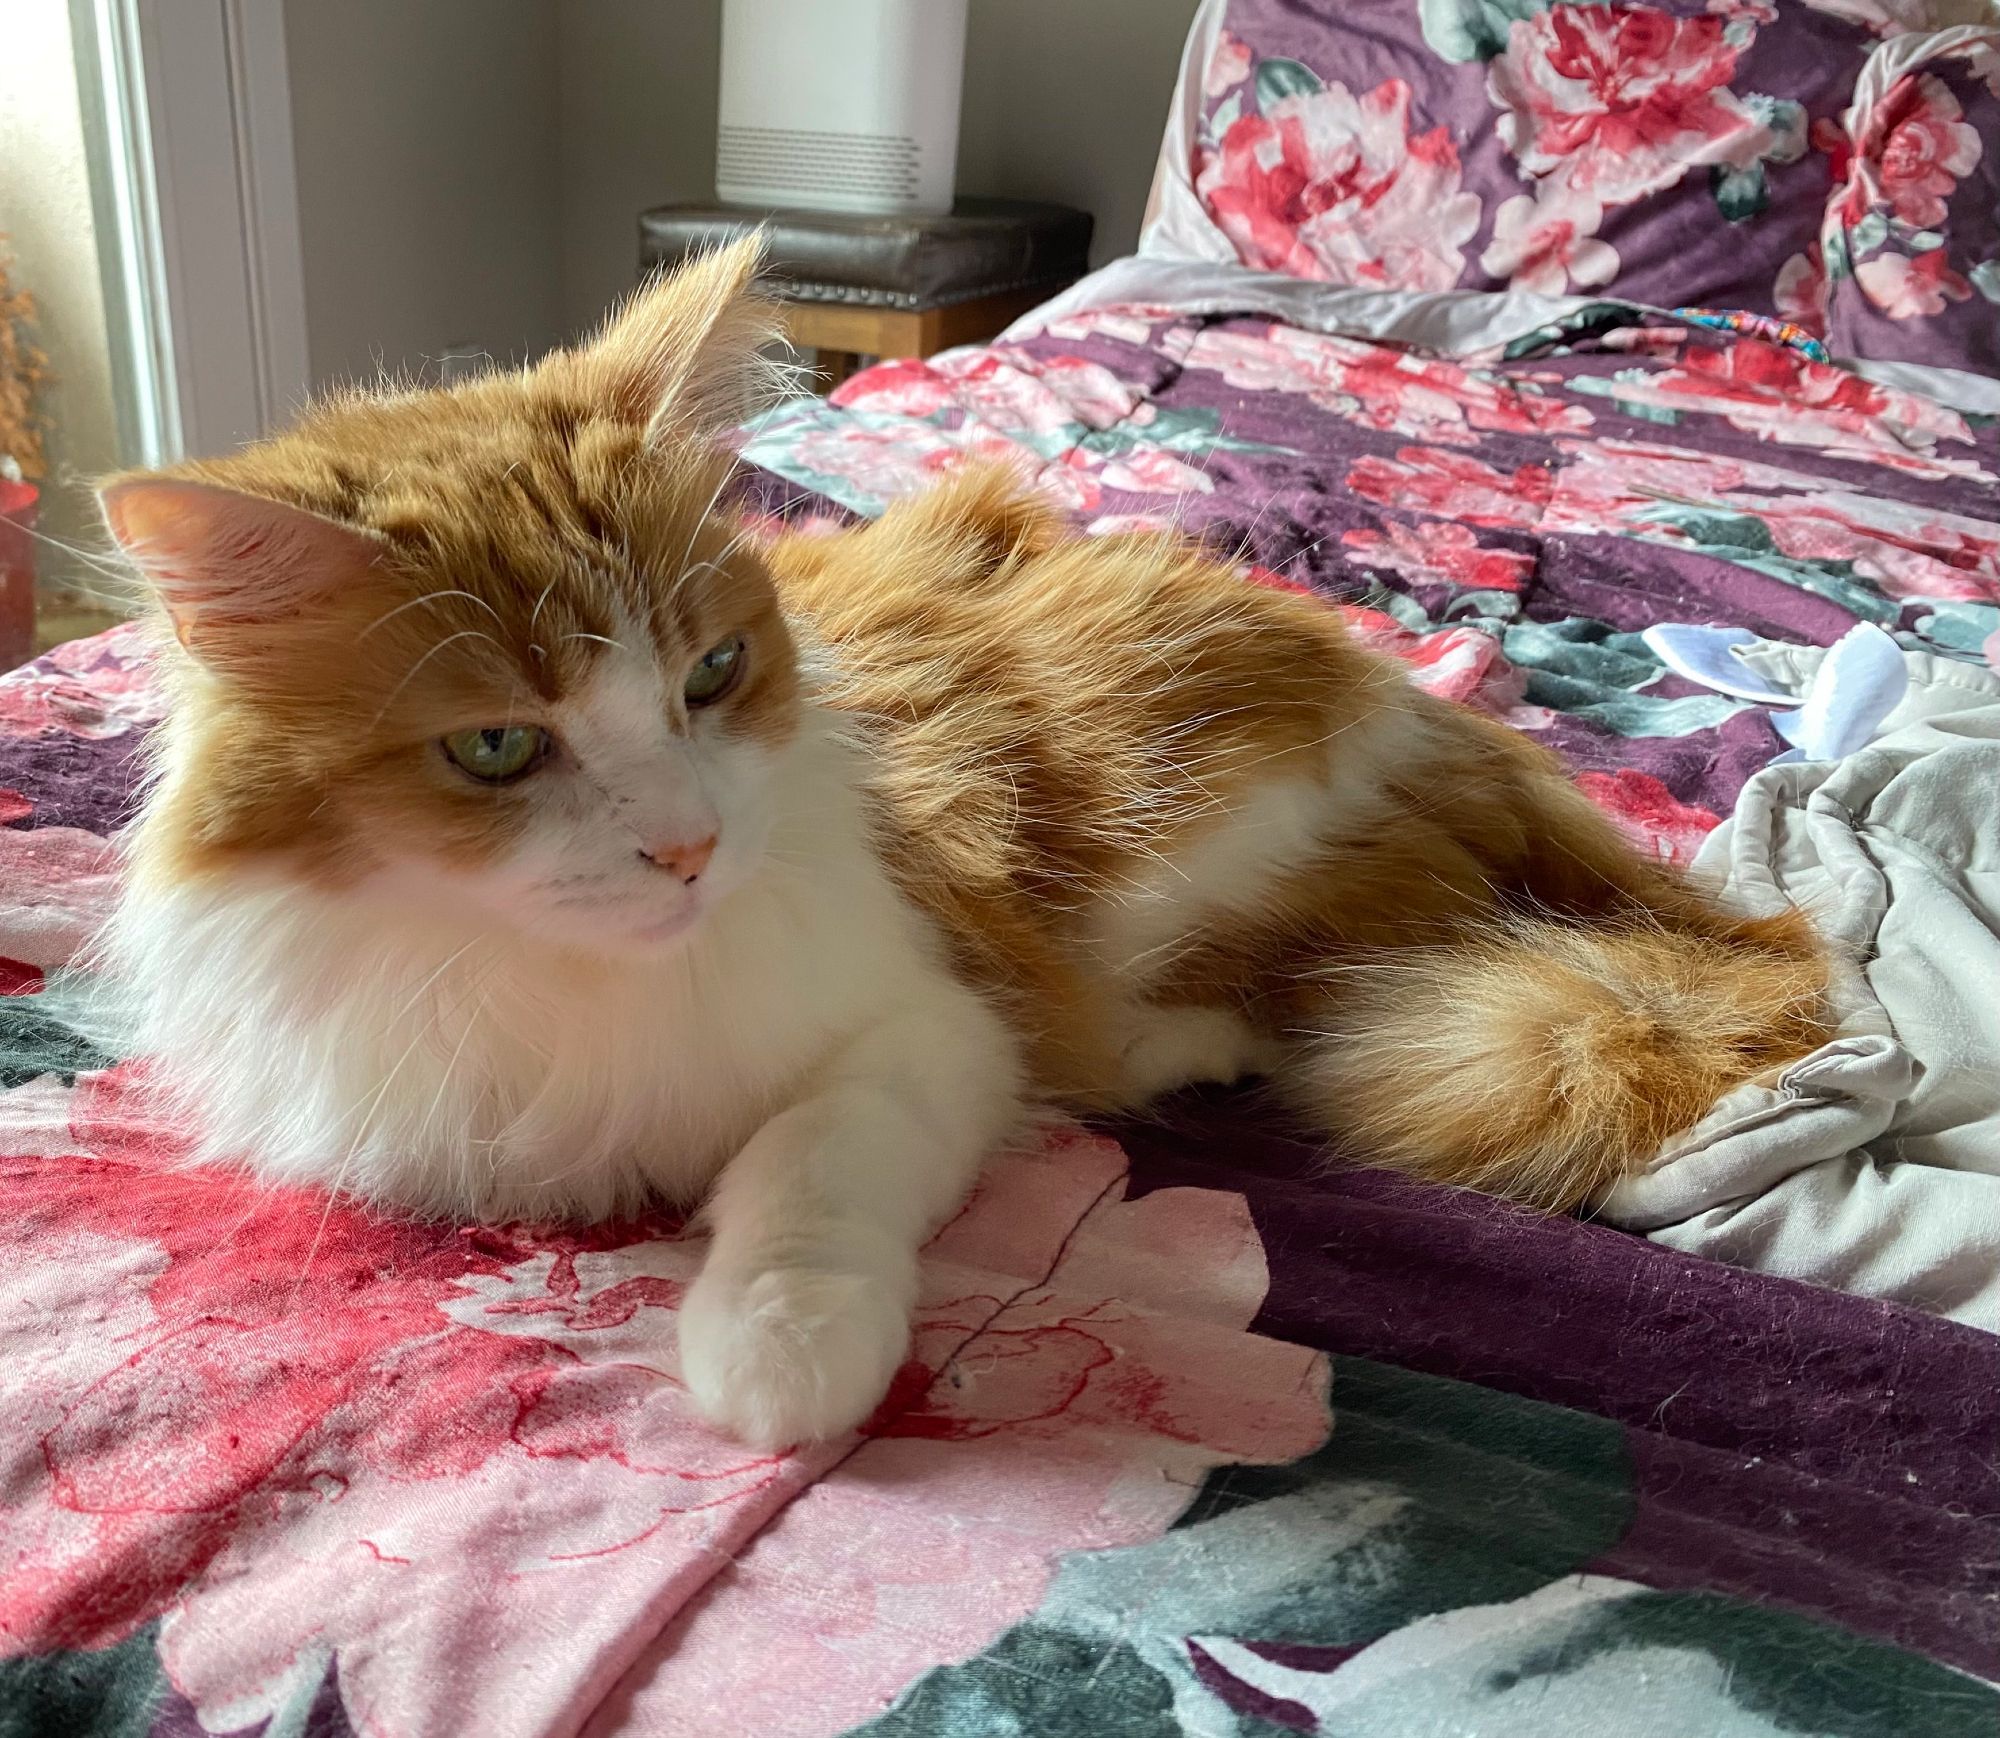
{"type": "Point", "coordinates": [831, 367]}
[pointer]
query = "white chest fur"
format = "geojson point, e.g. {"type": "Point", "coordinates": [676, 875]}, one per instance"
{"type": "Point", "coordinates": [457, 1067]}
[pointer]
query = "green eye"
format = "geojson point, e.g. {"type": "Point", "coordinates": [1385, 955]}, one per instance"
{"type": "Point", "coordinates": [499, 753]}
{"type": "Point", "coordinates": [715, 674]}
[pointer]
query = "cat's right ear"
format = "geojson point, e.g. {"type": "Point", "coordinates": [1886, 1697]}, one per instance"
{"type": "Point", "coordinates": [687, 356]}
{"type": "Point", "coordinates": [220, 561]}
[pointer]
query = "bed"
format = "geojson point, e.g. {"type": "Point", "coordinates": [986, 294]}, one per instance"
{"type": "Point", "coordinates": [1204, 1431]}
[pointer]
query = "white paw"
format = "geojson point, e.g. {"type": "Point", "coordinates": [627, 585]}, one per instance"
{"type": "Point", "coordinates": [1174, 1047]}
{"type": "Point", "coordinates": [791, 1354]}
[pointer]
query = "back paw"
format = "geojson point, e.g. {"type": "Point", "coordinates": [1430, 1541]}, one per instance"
{"type": "Point", "coordinates": [1174, 1047]}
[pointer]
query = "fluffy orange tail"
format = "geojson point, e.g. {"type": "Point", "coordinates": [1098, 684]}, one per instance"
{"type": "Point", "coordinates": [1541, 1059]}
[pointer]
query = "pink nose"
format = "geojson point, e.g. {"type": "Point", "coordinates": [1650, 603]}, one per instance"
{"type": "Point", "coordinates": [685, 861]}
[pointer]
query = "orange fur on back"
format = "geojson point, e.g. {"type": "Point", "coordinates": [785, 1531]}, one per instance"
{"type": "Point", "coordinates": [1051, 718]}
{"type": "Point", "coordinates": [1466, 972]}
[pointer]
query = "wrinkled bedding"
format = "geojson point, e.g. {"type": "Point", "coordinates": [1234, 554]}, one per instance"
{"type": "Point", "coordinates": [1200, 1435]}
{"type": "Point", "coordinates": [1873, 1164]}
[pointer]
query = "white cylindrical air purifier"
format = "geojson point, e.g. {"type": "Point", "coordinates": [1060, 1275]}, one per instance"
{"type": "Point", "coordinates": [840, 105]}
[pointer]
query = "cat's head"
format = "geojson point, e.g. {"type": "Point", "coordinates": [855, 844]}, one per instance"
{"type": "Point", "coordinates": [498, 648]}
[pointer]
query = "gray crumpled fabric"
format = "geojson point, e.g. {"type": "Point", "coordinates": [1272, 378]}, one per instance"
{"type": "Point", "coordinates": [1874, 1164]}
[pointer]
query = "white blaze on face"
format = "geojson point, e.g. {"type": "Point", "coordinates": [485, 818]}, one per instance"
{"type": "Point", "coordinates": [634, 776]}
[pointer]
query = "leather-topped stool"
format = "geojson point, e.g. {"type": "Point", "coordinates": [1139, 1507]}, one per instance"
{"type": "Point", "coordinates": [857, 287]}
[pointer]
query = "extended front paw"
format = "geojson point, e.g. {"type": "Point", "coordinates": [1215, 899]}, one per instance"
{"type": "Point", "coordinates": [792, 1354]}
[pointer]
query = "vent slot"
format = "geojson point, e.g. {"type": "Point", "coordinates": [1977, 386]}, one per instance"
{"type": "Point", "coordinates": [884, 165]}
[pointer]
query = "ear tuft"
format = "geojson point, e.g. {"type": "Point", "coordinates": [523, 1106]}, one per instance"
{"type": "Point", "coordinates": [218, 560]}
{"type": "Point", "coordinates": [685, 355]}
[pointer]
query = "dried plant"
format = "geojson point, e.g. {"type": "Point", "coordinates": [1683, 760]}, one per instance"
{"type": "Point", "coordinates": [24, 372]}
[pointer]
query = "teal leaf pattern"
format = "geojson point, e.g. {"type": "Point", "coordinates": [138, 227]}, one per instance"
{"type": "Point", "coordinates": [1589, 1654]}
{"type": "Point", "coordinates": [1787, 123]}
{"type": "Point", "coordinates": [1278, 79]}
{"type": "Point", "coordinates": [1439, 1494]}
{"type": "Point", "coordinates": [1782, 1672]}
{"type": "Point", "coordinates": [1581, 668]}
{"type": "Point", "coordinates": [1960, 626]}
{"type": "Point", "coordinates": [1742, 191]}
{"type": "Point", "coordinates": [1747, 541]}
{"type": "Point", "coordinates": [43, 1035]}
{"type": "Point", "coordinates": [1867, 235]}
{"type": "Point", "coordinates": [1599, 386]}
{"type": "Point", "coordinates": [108, 1693]}
{"type": "Point", "coordinates": [1740, 194]}
{"type": "Point", "coordinates": [1462, 30]}
{"type": "Point", "coordinates": [1425, 1571]}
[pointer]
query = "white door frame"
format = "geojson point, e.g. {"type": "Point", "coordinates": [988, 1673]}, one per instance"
{"type": "Point", "coordinates": [199, 184]}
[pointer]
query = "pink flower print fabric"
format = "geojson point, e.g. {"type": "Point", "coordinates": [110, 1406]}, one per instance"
{"type": "Point", "coordinates": [1907, 268]}
{"type": "Point", "coordinates": [1661, 153]}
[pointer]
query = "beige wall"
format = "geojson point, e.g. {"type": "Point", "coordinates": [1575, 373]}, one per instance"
{"type": "Point", "coordinates": [638, 82]}
{"type": "Point", "coordinates": [46, 217]}
{"type": "Point", "coordinates": [1064, 100]}
{"type": "Point", "coordinates": [426, 140]}
{"type": "Point", "coordinates": [473, 170]}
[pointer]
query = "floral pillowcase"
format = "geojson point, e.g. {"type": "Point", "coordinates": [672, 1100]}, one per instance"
{"type": "Point", "coordinates": [1674, 153]}
{"type": "Point", "coordinates": [1907, 268]}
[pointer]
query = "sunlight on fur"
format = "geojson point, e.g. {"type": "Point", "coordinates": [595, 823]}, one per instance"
{"type": "Point", "coordinates": [523, 841]}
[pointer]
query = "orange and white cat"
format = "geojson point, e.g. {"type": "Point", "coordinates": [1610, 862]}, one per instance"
{"type": "Point", "coordinates": [525, 841]}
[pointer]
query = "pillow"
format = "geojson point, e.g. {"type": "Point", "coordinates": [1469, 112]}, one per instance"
{"type": "Point", "coordinates": [1667, 153]}
{"type": "Point", "coordinates": [1908, 264]}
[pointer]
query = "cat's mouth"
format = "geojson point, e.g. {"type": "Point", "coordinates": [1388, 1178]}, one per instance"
{"type": "Point", "coordinates": [614, 915]}
{"type": "Point", "coordinates": [674, 925]}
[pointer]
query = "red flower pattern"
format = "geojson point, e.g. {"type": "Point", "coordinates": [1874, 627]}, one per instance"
{"type": "Point", "coordinates": [1455, 485]}
{"type": "Point", "coordinates": [1545, 244]}
{"type": "Point", "coordinates": [286, 1427]}
{"type": "Point", "coordinates": [1334, 186]}
{"type": "Point", "coordinates": [1911, 286]}
{"type": "Point", "coordinates": [1620, 101]}
{"type": "Point", "coordinates": [1914, 149]}
{"type": "Point", "coordinates": [1462, 664]}
{"type": "Point", "coordinates": [1801, 290]}
{"type": "Point", "coordinates": [1779, 394]}
{"type": "Point", "coordinates": [1382, 386]}
{"type": "Point", "coordinates": [1447, 554]}
{"type": "Point", "coordinates": [1649, 814]}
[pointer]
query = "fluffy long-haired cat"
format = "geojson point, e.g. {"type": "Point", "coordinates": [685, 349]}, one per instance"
{"type": "Point", "coordinates": [523, 841]}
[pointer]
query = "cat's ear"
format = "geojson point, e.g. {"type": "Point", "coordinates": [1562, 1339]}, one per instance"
{"type": "Point", "coordinates": [219, 560]}
{"type": "Point", "coordinates": [687, 354]}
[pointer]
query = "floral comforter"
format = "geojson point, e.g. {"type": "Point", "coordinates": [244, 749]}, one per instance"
{"type": "Point", "coordinates": [1198, 1436]}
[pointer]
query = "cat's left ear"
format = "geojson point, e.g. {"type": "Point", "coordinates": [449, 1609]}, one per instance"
{"type": "Point", "coordinates": [221, 561]}
{"type": "Point", "coordinates": [687, 355]}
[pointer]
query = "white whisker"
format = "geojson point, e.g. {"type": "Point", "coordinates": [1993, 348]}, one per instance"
{"type": "Point", "coordinates": [427, 598]}
{"type": "Point", "coordinates": [701, 518]}
{"type": "Point", "coordinates": [449, 639]}
{"type": "Point", "coordinates": [535, 615]}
